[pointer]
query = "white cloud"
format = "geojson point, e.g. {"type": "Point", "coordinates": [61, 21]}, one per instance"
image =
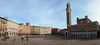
{"type": "Point", "coordinates": [46, 15]}
{"type": "Point", "coordinates": [93, 10]}
{"type": "Point", "coordinates": [37, 12]}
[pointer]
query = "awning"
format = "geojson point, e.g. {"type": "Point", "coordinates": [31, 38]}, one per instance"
{"type": "Point", "coordinates": [25, 34]}
{"type": "Point", "coordinates": [2, 33]}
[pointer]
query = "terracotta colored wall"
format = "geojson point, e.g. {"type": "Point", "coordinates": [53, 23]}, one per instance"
{"type": "Point", "coordinates": [3, 25]}
{"type": "Point", "coordinates": [35, 30]}
{"type": "Point", "coordinates": [45, 30]}
{"type": "Point", "coordinates": [55, 31]}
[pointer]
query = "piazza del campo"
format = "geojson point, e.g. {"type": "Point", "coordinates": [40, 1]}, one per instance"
{"type": "Point", "coordinates": [85, 32]}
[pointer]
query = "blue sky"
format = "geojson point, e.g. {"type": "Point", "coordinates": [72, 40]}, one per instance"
{"type": "Point", "coordinates": [48, 13]}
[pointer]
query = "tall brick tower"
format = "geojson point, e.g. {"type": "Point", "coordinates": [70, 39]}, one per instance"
{"type": "Point", "coordinates": [68, 10]}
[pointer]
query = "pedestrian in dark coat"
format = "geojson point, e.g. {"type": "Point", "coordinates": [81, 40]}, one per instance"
{"type": "Point", "coordinates": [22, 38]}
{"type": "Point", "coordinates": [27, 39]}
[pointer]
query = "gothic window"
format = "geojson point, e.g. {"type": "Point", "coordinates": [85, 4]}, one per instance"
{"type": "Point", "coordinates": [81, 21]}
{"type": "Point", "coordinates": [94, 24]}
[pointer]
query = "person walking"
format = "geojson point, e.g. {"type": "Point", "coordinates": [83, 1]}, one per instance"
{"type": "Point", "coordinates": [22, 38]}
{"type": "Point", "coordinates": [4, 38]}
{"type": "Point", "coordinates": [26, 39]}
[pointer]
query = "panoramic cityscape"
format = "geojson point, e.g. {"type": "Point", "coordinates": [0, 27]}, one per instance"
{"type": "Point", "coordinates": [24, 31]}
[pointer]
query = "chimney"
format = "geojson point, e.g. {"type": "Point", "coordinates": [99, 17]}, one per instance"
{"type": "Point", "coordinates": [22, 24]}
{"type": "Point", "coordinates": [77, 18]}
{"type": "Point", "coordinates": [86, 16]}
{"type": "Point", "coordinates": [6, 18]}
{"type": "Point", "coordinates": [28, 24]}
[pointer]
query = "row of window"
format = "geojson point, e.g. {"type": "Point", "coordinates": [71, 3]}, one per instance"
{"type": "Point", "coordinates": [40, 28]}
{"type": "Point", "coordinates": [83, 35]}
{"type": "Point", "coordinates": [3, 26]}
{"type": "Point", "coordinates": [84, 26]}
{"type": "Point", "coordinates": [84, 31]}
{"type": "Point", "coordinates": [44, 32]}
{"type": "Point", "coordinates": [17, 27]}
{"type": "Point", "coordinates": [35, 28]}
{"type": "Point", "coordinates": [13, 31]}
{"type": "Point", "coordinates": [13, 28]}
{"type": "Point", "coordinates": [4, 22]}
{"type": "Point", "coordinates": [12, 24]}
{"type": "Point", "coordinates": [3, 30]}
{"type": "Point", "coordinates": [24, 27]}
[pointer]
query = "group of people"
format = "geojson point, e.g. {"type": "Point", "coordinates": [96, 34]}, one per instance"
{"type": "Point", "coordinates": [5, 37]}
{"type": "Point", "coordinates": [22, 38]}
{"type": "Point", "coordinates": [14, 39]}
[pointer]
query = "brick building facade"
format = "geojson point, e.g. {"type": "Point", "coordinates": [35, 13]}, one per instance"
{"type": "Point", "coordinates": [55, 31]}
{"type": "Point", "coordinates": [35, 30]}
{"type": "Point", "coordinates": [24, 29]}
{"type": "Point", "coordinates": [40, 30]}
{"type": "Point", "coordinates": [3, 26]}
{"type": "Point", "coordinates": [10, 28]}
{"type": "Point", "coordinates": [84, 28]}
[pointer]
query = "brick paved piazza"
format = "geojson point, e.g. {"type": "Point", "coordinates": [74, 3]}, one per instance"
{"type": "Point", "coordinates": [35, 41]}
{"type": "Point", "coordinates": [85, 42]}
{"type": "Point", "coordinates": [38, 41]}
{"type": "Point", "coordinates": [48, 41]}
